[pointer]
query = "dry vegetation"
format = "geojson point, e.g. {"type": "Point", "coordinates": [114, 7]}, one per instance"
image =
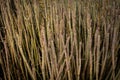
{"type": "Point", "coordinates": [60, 39]}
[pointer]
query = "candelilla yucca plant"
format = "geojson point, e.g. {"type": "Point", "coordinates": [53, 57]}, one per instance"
{"type": "Point", "coordinates": [59, 40]}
